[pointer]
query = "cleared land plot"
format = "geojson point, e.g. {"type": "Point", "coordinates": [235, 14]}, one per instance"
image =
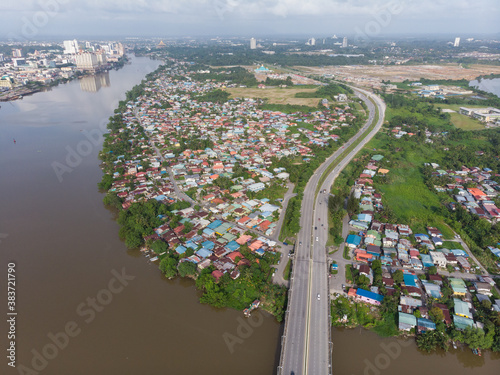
{"type": "Point", "coordinates": [399, 73]}
{"type": "Point", "coordinates": [275, 95]}
{"type": "Point", "coordinates": [462, 121]}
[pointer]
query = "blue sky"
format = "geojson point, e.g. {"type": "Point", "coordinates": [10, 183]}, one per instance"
{"type": "Point", "coordinates": [34, 19]}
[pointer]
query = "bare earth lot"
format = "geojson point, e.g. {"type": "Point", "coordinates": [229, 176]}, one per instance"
{"type": "Point", "coordinates": [373, 75]}
{"type": "Point", "coordinates": [275, 95]}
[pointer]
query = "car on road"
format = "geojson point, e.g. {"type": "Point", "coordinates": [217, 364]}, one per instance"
{"type": "Point", "coordinates": [317, 239]}
{"type": "Point", "coordinates": [315, 228]}
{"type": "Point", "coordinates": [300, 243]}
{"type": "Point", "coordinates": [318, 297]}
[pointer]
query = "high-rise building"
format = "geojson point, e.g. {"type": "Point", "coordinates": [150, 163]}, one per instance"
{"type": "Point", "coordinates": [70, 47]}
{"type": "Point", "coordinates": [344, 42]}
{"type": "Point", "coordinates": [457, 42]}
{"type": "Point", "coordinates": [253, 43]}
{"type": "Point", "coordinates": [86, 61]}
{"type": "Point", "coordinates": [312, 41]}
{"type": "Point", "coordinates": [101, 58]}
{"type": "Point", "coordinates": [17, 53]}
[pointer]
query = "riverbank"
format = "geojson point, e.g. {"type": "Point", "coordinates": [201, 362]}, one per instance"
{"type": "Point", "coordinates": [19, 92]}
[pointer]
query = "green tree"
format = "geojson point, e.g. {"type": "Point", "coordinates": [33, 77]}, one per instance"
{"type": "Point", "coordinates": [168, 266]}
{"type": "Point", "coordinates": [436, 314]}
{"type": "Point", "coordinates": [187, 269]}
{"type": "Point", "coordinates": [398, 277]}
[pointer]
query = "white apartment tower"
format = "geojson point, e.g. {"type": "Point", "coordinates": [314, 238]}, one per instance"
{"type": "Point", "coordinates": [86, 61]}
{"type": "Point", "coordinates": [457, 42]}
{"type": "Point", "coordinates": [344, 42]}
{"type": "Point", "coordinates": [253, 43]}
{"type": "Point", "coordinates": [70, 47]}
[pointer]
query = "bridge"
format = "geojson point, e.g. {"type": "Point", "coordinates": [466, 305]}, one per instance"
{"type": "Point", "coordinates": [306, 345]}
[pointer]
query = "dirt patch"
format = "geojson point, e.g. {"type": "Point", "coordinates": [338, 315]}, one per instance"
{"type": "Point", "coordinates": [372, 75]}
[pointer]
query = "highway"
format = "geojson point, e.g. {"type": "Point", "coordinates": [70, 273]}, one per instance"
{"type": "Point", "coordinates": [306, 344]}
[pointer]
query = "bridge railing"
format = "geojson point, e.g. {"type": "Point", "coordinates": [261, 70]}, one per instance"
{"type": "Point", "coordinates": [288, 308]}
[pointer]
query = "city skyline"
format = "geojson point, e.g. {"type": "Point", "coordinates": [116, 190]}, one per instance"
{"type": "Point", "coordinates": [26, 19]}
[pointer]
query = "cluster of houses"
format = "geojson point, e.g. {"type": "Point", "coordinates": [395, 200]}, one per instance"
{"type": "Point", "coordinates": [478, 200]}
{"type": "Point", "coordinates": [419, 296]}
{"type": "Point", "coordinates": [211, 241]}
{"type": "Point", "coordinates": [398, 248]}
{"type": "Point", "coordinates": [237, 135]}
{"type": "Point", "coordinates": [414, 307]}
{"type": "Point", "coordinates": [408, 130]}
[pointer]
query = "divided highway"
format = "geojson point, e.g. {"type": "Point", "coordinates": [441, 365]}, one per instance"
{"type": "Point", "coordinates": [306, 343]}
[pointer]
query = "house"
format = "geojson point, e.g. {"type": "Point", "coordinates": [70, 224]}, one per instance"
{"type": "Point", "coordinates": [256, 187]}
{"type": "Point", "coordinates": [462, 308]}
{"type": "Point", "coordinates": [458, 286]}
{"type": "Point", "coordinates": [369, 297]}
{"type": "Point", "coordinates": [438, 258]}
{"type": "Point", "coordinates": [353, 241]}
{"type": "Point", "coordinates": [406, 321]}
{"type": "Point", "coordinates": [483, 288]}
{"type": "Point", "coordinates": [424, 325]}
{"type": "Point", "coordinates": [462, 323]}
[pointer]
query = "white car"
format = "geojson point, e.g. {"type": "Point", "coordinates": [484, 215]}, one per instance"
{"type": "Point", "coordinates": [316, 239]}
{"type": "Point", "coordinates": [318, 297]}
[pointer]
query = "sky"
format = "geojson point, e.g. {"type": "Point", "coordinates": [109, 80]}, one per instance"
{"type": "Point", "coordinates": [36, 19]}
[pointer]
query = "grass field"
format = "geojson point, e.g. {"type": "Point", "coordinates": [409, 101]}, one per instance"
{"type": "Point", "coordinates": [284, 95]}
{"type": "Point", "coordinates": [407, 195]}
{"type": "Point", "coordinates": [461, 121]}
{"type": "Point", "coordinates": [465, 122]}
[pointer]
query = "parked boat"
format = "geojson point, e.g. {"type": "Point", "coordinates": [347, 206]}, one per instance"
{"type": "Point", "coordinates": [255, 304]}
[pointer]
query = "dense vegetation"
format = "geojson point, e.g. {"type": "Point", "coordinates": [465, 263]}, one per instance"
{"type": "Point", "coordinates": [237, 75]}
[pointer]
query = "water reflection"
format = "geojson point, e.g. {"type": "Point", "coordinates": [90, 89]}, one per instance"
{"type": "Point", "coordinates": [94, 83]}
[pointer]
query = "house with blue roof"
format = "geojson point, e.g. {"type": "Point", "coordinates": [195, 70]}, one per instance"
{"type": "Point", "coordinates": [259, 252]}
{"type": "Point", "coordinates": [409, 279]}
{"type": "Point", "coordinates": [369, 297]}
{"type": "Point", "coordinates": [459, 253]}
{"type": "Point", "coordinates": [424, 325]}
{"type": "Point", "coordinates": [353, 240]}
{"type": "Point", "coordinates": [203, 253]}
{"type": "Point", "coordinates": [208, 232]}
{"type": "Point", "coordinates": [180, 250]}
{"type": "Point", "coordinates": [427, 260]}
{"type": "Point", "coordinates": [208, 245]}
{"type": "Point", "coordinates": [233, 246]}
{"type": "Point", "coordinates": [214, 224]}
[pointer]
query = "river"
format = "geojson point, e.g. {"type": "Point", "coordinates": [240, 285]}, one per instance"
{"type": "Point", "coordinates": [65, 245]}
{"type": "Point", "coordinates": [69, 264]}
{"type": "Point", "coordinates": [488, 85]}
